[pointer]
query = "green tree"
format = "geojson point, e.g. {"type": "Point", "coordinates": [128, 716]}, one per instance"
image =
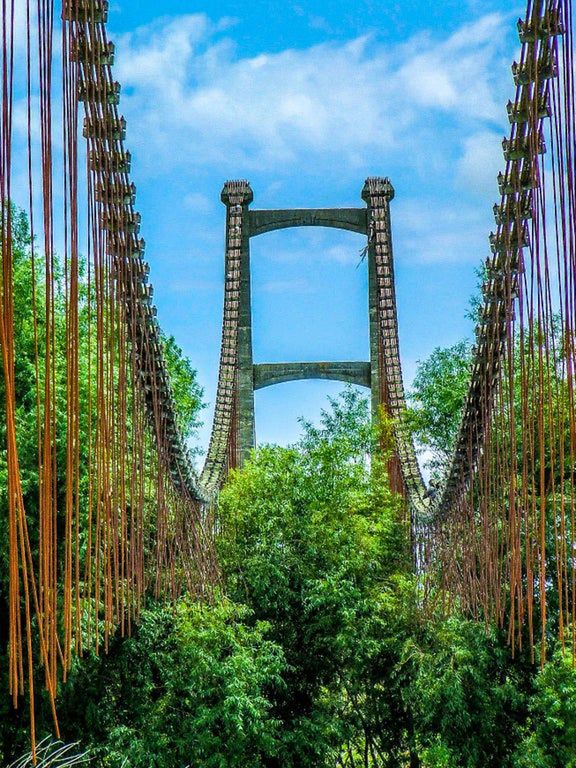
{"type": "Point", "coordinates": [436, 401]}
{"type": "Point", "coordinates": [550, 732]}
{"type": "Point", "coordinates": [29, 341]}
{"type": "Point", "coordinates": [467, 696]}
{"type": "Point", "coordinates": [311, 539]}
{"type": "Point", "coordinates": [323, 651]}
{"type": "Point", "coordinates": [314, 542]}
{"type": "Point", "coordinates": [187, 689]}
{"type": "Point", "coordinates": [187, 392]}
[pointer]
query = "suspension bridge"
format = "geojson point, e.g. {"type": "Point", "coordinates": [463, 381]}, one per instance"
{"type": "Point", "coordinates": [135, 515]}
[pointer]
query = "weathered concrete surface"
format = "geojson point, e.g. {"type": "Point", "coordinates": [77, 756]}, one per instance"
{"type": "Point", "coordinates": [267, 374]}
{"type": "Point", "coordinates": [246, 430]}
{"type": "Point", "coordinates": [377, 205]}
{"type": "Point", "coordinates": [351, 219]}
{"type": "Point", "coordinates": [252, 377]}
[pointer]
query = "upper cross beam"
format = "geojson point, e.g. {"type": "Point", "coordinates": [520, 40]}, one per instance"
{"type": "Point", "coordinates": [351, 219]}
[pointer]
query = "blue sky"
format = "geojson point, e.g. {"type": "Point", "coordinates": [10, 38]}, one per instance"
{"type": "Point", "coordinates": [306, 99]}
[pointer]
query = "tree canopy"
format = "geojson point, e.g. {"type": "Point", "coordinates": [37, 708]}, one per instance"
{"type": "Point", "coordinates": [321, 647]}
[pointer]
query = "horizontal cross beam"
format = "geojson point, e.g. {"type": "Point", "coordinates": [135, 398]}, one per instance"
{"type": "Point", "coordinates": [267, 374]}
{"type": "Point", "coordinates": [352, 219]}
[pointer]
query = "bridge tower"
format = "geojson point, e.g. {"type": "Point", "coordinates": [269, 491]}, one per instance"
{"type": "Point", "coordinates": [233, 434]}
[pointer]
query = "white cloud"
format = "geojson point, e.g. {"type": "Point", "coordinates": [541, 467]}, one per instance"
{"type": "Point", "coordinates": [186, 87]}
{"type": "Point", "coordinates": [201, 204]}
{"type": "Point", "coordinates": [480, 162]}
{"type": "Point", "coordinates": [456, 75]}
{"type": "Point", "coordinates": [432, 232]}
{"type": "Point", "coordinates": [335, 108]}
{"type": "Point", "coordinates": [20, 26]}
